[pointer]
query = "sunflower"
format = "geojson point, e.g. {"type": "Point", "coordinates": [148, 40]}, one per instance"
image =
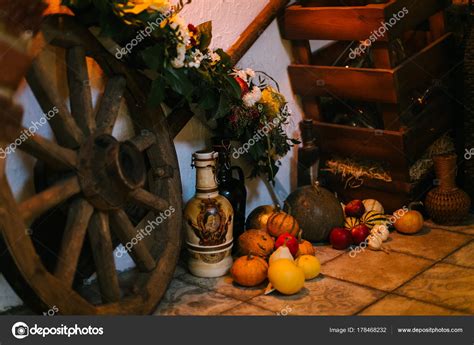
{"type": "Point", "coordinates": [138, 6]}
{"type": "Point", "coordinates": [272, 101]}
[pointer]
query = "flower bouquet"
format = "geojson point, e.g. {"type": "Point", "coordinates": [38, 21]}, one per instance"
{"type": "Point", "coordinates": [187, 74]}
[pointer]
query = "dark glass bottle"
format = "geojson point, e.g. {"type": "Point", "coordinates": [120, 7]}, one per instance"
{"type": "Point", "coordinates": [308, 155]}
{"type": "Point", "coordinates": [230, 187]}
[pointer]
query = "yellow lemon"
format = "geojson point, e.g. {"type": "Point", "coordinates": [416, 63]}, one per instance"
{"type": "Point", "coordinates": [310, 266]}
{"type": "Point", "coordinates": [286, 277]}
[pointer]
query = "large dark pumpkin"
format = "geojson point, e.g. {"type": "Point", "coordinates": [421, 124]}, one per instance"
{"type": "Point", "coordinates": [317, 211]}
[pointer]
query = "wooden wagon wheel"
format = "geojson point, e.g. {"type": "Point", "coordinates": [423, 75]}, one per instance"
{"type": "Point", "coordinates": [96, 178]}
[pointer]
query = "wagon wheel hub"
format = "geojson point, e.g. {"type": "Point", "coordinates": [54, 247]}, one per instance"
{"type": "Point", "coordinates": [109, 171]}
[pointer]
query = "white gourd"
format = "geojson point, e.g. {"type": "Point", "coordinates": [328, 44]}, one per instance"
{"type": "Point", "coordinates": [281, 253]}
{"type": "Point", "coordinates": [373, 205]}
{"type": "Point", "coordinates": [381, 230]}
{"type": "Point", "coordinates": [374, 242]}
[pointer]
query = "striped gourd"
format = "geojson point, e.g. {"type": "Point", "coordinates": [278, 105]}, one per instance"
{"type": "Point", "coordinates": [281, 222]}
{"type": "Point", "coordinates": [351, 222]}
{"type": "Point", "coordinates": [373, 218]}
{"type": "Point", "coordinates": [373, 205]}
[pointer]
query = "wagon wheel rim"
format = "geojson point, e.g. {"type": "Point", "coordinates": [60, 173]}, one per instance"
{"type": "Point", "coordinates": [103, 175]}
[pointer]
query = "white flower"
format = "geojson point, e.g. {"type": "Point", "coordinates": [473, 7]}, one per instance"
{"type": "Point", "coordinates": [178, 61]}
{"type": "Point", "coordinates": [250, 72]}
{"type": "Point", "coordinates": [214, 57]}
{"type": "Point", "coordinates": [195, 59]}
{"type": "Point", "coordinates": [252, 97]}
{"type": "Point", "coordinates": [240, 74]}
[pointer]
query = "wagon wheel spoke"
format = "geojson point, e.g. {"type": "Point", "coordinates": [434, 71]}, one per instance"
{"type": "Point", "coordinates": [65, 129]}
{"type": "Point", "coordinates": [79, 214]}
{"type": "Point", "coordinates": [148, 200]}
{"type": "Point", "coordinates": [144, 140]}
{"type": "Point", "coordinates": [55, 156]}
{"type": "Point", "coordinates": [126, 232]}
{"type": "Point", "coordinates": [110, 104]}
{"type": "Point", "coordinates": [51, 197]}
{"type": "Point", "coordinates": [79, 89]}
{"type": "Point", "coordinates": [102, 249]}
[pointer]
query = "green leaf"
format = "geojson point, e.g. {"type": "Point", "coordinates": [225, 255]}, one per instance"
{"type": "Point", "coordinates": [179, 82]}
{"type": "Point", "coordinates": [234, 87]}
{"type": "Point", "coordinates": [154, 57]}
{"type": "Point", "coordinates": [225, 58]}
{"type": "Point", "coordinates": [157, 92]}
{"type": "Point", "coordinates": [223, 107]}
{"type": "Point", "coordinates": [209, 100]}
{"type": "Point", "coordinates": [205, 29]}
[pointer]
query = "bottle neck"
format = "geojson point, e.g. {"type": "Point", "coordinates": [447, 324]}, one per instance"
{"type": "Point", "coordinates": [446, 170]}
{"type": "Point", "coordinates": [206, 184]}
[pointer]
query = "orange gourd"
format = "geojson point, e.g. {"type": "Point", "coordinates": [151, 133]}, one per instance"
{"type": "Point", "coordinates": [410, 223]}
{"type": "Point", "coordinates": [304, 247]}
{"type": "Point", "coordinates": [281, 222]}
{"type": "Point", "coordinates": [249, 270]}
{"type": "Point", "coordinates": [256, 242]}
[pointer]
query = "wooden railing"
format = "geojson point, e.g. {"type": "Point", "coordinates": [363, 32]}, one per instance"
{"type": "Point", "coordinates": [236, 52]}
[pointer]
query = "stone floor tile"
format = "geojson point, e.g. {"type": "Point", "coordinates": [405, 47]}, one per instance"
{"type": "Point", "coordinates": [376, 269]}
{"type": "Point", "coordinates": [467, 227]}
{"type": "Point", "coordinates": [445, 285]}
{"type": "Point", "coordinates": [463, 257]}
{"type": "Point", "coordinates": [226, 286]}
{"type": "Point", "coordinates": [246, 309]}
{"type": "Point", "coordinates": [434, 244]}
{"type": "Point", "coordinates": [398, 305]}
{"type": "Point", "coordinates": [326, 252]}
{"type": "Point", "coordinates": [185, 299]}
{"type": "Point", "coordinates": [321, 296]}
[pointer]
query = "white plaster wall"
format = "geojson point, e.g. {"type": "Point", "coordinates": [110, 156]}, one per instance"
{"type": "Point", "coordinates": [270, 53]}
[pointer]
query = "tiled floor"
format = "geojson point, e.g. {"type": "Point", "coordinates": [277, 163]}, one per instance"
{"type": "Point", "coordinates": [431, 273]}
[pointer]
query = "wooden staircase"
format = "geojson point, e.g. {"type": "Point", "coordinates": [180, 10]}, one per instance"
{"type": "Point", "coordinates": [390, 83]}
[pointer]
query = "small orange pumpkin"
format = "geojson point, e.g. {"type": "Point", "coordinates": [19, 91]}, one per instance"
{"type": "Point", "coordinates": [409, 223]}
{"type": "Point", "coordinates": [256, 242]}
{"type": "Point", "coordinates": [304, 247]}
{"type": "Point", "coordinates": [249, 270]}
{"type": "Point", "coordinates": [280, 223]}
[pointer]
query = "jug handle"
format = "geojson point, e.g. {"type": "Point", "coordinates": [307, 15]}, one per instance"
{"type": "Point", "coordinates": [240, 172]}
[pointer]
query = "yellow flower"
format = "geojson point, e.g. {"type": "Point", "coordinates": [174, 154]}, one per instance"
{"type": "Point", "coordinates": [138, 6]}
{"type": "Point", "coordinates": [272, 101]}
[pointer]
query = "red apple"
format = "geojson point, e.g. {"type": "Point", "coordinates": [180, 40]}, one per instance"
{"type": "Point", "coordinates": [340, 238]}
{"type": "Point", "coordinates": [243, 85]}
{"type": "Point", "coordinates": [355, 209]}
{"type": "Point", "coordinates": [360, 233]}
{"type": "Point", "coordinates": [290, 241]}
